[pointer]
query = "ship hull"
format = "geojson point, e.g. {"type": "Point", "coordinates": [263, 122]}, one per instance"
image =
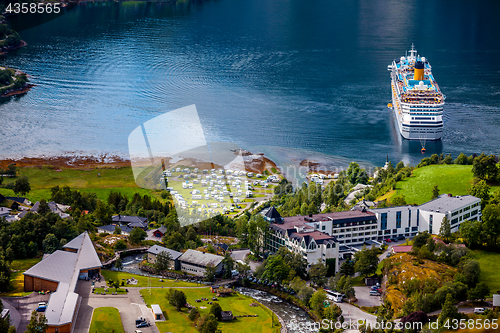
{"type": "Point", "coordinates": [412, 132]}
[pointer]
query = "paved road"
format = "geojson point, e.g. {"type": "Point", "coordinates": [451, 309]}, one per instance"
{"type": "Point", "coordinates": [364, 298]}
{"type": "Point", "coordinates": [23, 307]}
{"type": "Point", "coordinates": [241, 254]}
{"type": "Point", "coordinates": [131, 306]}
{"type": "Point", "coordinates": [353, 314]}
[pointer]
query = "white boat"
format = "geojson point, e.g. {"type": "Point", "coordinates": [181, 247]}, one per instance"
{"type": "Point", "coordinates": [417, 100]}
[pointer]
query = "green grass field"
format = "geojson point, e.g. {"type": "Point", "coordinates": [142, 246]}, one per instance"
{"type": "Point", "coordinates": [24, 264]}
{"type": "Point", "coordinates": [101, 181]}
{"type": "Point", "coordinates": [417, 189]}
{"type": "Point", "coordinates": [490, 266]}
{"type": "Point", "coordinates": [143, 280]}
{"type": "Point", "coordinates": [239, 304]}
{"type": "Point", "coordinates": [105, 320]}
{"type": "Point", "coordinates": [18, 267]}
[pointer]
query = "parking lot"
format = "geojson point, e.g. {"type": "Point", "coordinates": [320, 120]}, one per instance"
{"type": "Point", "coordinates": [364, 298]}
{"type": "Point", "coordinates": [24, 306]}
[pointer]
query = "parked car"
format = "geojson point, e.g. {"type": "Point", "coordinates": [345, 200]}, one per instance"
{"type": "Point", "coordinates": [479, 310]}
{"type": "Point", "coordinates": [388, 240]}
{"type": "Point", "coordinates": [374, 293]}
{"type": "Point", "coordinates": [394, 239]}
{"type": "Point", "coordinates": [401, 237]}
{"type": "Point", "coordinates": [42, 306]}
{"type": "Point", "coordinates": [388, 255]}
{"type": "Point", "coordinates": [137, 331]}
{"type": "Point", "coordinates": [142, 324]}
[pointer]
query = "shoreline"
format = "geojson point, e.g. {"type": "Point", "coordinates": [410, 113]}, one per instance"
{"type": "Point", "coordinates": [27, 87]}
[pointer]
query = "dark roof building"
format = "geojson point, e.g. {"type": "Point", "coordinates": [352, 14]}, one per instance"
{"type": "Point", "coordinates": [131, 221]}
{"type": "Point", "coordinates": [272, 215]}
{"type": "Point", "coordinates": [156, 249]}
{"type": "Point", "coordinates": [160, 232]}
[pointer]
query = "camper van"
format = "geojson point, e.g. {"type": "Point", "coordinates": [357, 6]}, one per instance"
{"type": "Point", "coordinates": [335, 296]}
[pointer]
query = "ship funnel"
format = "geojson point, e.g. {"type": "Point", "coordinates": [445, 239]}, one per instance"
{"type": "Point", "coordinates": [419, 71]}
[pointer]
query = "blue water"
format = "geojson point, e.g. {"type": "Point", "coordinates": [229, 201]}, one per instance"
{"type": "Point", "coordinates": [300, 77]}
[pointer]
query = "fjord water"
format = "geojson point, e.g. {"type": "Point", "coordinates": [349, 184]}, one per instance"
{"type": "Point", "coordinates": [280, 73]}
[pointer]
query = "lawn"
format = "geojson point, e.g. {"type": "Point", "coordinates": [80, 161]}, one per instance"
{"type": "Point", "coordinates": [105, 320]}
{"type": "Point", "coordinates": [143, 280]}
{"type": "Point", "coordinates": [237, 303]}
{"type": "Point", "coordinates": [490, 266]}
{"type": "Point", "coordinates": [24, 264]}
{"type": "Point", "coordinates": [417, 189]}
{"type": "Point", "coordinates": [16, 286]}
{"type": "Point", "coordinates": [101, 181]}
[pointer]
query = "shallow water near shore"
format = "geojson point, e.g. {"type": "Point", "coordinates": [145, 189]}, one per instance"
{"type": "Point", "coordinates": [286, 74]}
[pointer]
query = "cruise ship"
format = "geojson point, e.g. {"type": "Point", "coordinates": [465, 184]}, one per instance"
{"type": "Point", "coordinates": [417, 100]}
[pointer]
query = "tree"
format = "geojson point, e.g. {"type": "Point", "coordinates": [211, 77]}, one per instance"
{"type": "Point", "coordinates": [277, 270]}
{"type": "Point", "coordinates": [480, 190]}
{"type": "Point", "coordinates": [449, 310]}
{"type": "Point", "coordinates": [296, 261]}
{"type": "Point", "coordinates": [461, 159]}
{"type": "Point", "coordinates": [37, 324]}
{"type": "Point", "coordinates": [347, 268]}
{"type": "Point", "coordinates": [416, 317]}
{"type": "Point", "coordinates": [119, 264]}
{"type": "Point", "coordinates": [317, 273]}
{"type": "Point", "coordinates": [491, 225]}
{"type": "Point", "coordinates": [445, 230]}
{"type": "Point", "coordinates": [209, 275]}
{"type": "Point", "coordinates": [22, 186]}
{"type": "Point", "coordinates": [366, 261]}
{"type": "Point", "coordinates": [243, 268]}
{"type": "Point", "coordinates": [43, 207]}
{"type": "Point", "coordinates": [118, 230]}
{"type": "Point", "coordinates": [333, 312]}
{"type": "Point", "coordinates": [317, 301]}
{"type": "Point", "coordinates": [471, 271]}
{"type": "Point", "coordinates": [216, 310]}
{"type": "Point", "coordinates": [208, 324]}
{"type": "Point", "coordinates": [5, 273]}
{"type": "Point", "coordinates": [435, 192]}
{"type": "Point", "coordinates": [297, 283]}
{"type": "Point", "coordinates": [485, 166]}
{"type": "Point", "coordinates": [228, 263]}
{"type": "Point", "coordinates": [163, 260]}
{"type": "Point", "coordinates": [50, 243]}
{"type": "Point", "coordinates": [305, 294]}
{"type": "Point", "coordinates": [481, 291]}
{"type": "Point", "coordinates": [176, 298]}
{"type": "Point", "coordinates": [398, 201]}
{"type": "Point", "coordinates": [345, 286]}
{"type": "Point", "coordinates": [137, 235]}
{"type": "Point", "coordinates": [420, 239]}
{"type": "Point", "coordinates": [120, 245]}
{"type": "Point", "coordinates": [193, 314]}
{"type": "Point", "coordinates": [4, 323]}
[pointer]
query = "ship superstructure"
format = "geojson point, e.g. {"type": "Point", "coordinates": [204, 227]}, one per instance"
{"type": "Point", "coordinates": [417, 100]}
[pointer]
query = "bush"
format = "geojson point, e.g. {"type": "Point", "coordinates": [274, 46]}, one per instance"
{"type": "Point", "coordinates": [120, 245]}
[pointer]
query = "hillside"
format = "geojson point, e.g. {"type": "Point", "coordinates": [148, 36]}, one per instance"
{"type": "Point", "coordinates": [417, 189]}
{"type": "Point", "coordinates": [405, 268]}
{"type": "Point", "coordinates": [101, 181]}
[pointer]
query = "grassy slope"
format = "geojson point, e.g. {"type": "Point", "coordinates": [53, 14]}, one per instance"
{"type": "Point", "coordinates": [17, 278]}
{"type": "Point", "coordinates": [404, 269]}
{"type": "Point", "coordinates": [238, 304]}
{"type": "Point", "coordinates": [110, 179]}
{"type": "Point", "coordinates": [454, 179]}
{"type": "Point", "coordinates": [490, 266]}
{"type": "Point", "coordinates": [143, 280]}
{"type": "Point", "coordinates": [105, 320]}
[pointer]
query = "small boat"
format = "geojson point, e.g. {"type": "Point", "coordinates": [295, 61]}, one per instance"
{"type": "Point", "coordinates": [423, 150]}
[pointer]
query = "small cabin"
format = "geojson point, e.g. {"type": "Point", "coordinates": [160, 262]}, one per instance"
{"type": "Point", "coordinates": [157, 313]}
